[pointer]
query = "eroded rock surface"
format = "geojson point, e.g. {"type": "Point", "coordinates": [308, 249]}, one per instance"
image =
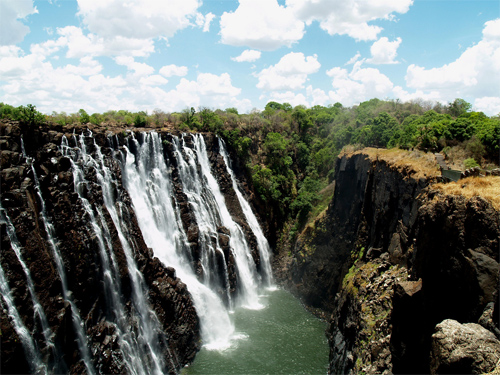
{"type": "Point", "coordinates": [463, 349]}
{"type": "Point", "coordinates": [385, 218]}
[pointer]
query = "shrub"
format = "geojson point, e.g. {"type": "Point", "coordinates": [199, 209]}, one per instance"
{"type": "Point", "coordinates": [470, 163]}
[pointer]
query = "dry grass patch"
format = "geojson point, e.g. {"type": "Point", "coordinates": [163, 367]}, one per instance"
{"type": "Point", "coordinates": [485, 187]}
{"type": "Point", "coordinates": [417, 163]}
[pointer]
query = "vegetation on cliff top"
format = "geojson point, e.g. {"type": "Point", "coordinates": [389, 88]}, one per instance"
{"type": "Point", "coordinates": [415, 163]}
{"type": "Point", "coordinates": [290, 152]}
{"type": "Point", "coordinates": [485, 187]}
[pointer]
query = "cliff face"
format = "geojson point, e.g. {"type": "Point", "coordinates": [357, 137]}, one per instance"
{"type": "Point", "coordinates": [390, 259]}
{"type": "Point", "coordinates": [371, 203]}
{"type": "Point", "coordinates": [177, 332]}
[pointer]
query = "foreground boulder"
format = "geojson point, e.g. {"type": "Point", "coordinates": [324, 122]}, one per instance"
{"type": "Point", "coordinates": [463, 349]}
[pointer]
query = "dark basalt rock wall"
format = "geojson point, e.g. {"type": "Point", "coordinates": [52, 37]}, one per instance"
{"type": "Point", "coordinates": [371, 202]}
{"type": "Point", "coordinates": [178, 333]}
{"type": "Point", "coordinates": [389, 260]}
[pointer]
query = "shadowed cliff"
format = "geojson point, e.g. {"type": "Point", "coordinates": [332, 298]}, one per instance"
{"type": "Point", "coordinates": [391, 258]}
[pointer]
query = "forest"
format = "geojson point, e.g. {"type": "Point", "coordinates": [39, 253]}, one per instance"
{"type": "Point", "coordinates": [290, 152]}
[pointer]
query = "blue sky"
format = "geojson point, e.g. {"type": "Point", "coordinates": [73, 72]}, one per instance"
{"type": "Point", "coordinates": [63, 55]}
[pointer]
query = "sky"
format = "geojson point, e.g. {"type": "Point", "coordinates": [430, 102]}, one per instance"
{"type": "Point", "coordinates": [146, 55]}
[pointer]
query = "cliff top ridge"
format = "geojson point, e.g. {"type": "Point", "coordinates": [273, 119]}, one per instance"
{"type": "Point", "coordinates": [417, 164]}
{"type": "Point", "coordinates": [486, 187]}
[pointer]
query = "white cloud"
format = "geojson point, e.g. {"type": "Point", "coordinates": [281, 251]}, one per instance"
{"type": "Point", "coordinates": [32, 78]}
{"type": "Point", "coordinates": [173, 70]}
{"type": "Point", "coordinates": [266, 25]}
{"type": "Point", "coordinates": [318, 96]}
{"type": "Point", "coordinates": [491, 31]}
{"type": "Point", "coordinates": [405, 96]}
{"type": "Point", "coordinates": [209, 90]}
{"type": "Point", "coordinates": [12, 30]}
{"type": "Point", "coordinates": [80, 45]}
{"type": "Point", "coordinates": [348, 17]}
{"type": "Point", "coordinates": [249, 55]}
{"type": "Point", "coordinates": [290, 97]}
{"type": "Point", "coordinates": [475, 74]}
{"type": "Point", "coordinates": [260, 24]}
{"type": "Point", "coordinates": [204, 21]}
{"type": "Point", "coordinates": [137, 19]}
{"type": "Point", "coordinates": [153, 80]}
{"type": "Point", "coordinates": [10, 51]}
{"type": "Point", "coordinates": [353, 59]}
{"type": "Point", "coordinates": [489, 105]}
{"type": "Point", "coordinates": [290, 73]}
{"type": "Point", "coordinates": [140, 69]}
{"type": "Point", "coordinates": [358, 85]}
{"type": "Point", "coordinates": [87, 67]}
{"type": "Point", "coordinates": [384, 52]}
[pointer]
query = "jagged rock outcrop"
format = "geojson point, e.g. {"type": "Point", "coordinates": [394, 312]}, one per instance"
{"type": "Point", "coordinates": [390, 259]}
{"type": "Point", "coordinates": [455, 254]}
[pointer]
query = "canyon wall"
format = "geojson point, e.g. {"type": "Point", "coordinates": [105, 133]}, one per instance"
{"type": "Point", "coordinates": [389, 260]}
{"type": "Point", "coordinates": [44, 215]}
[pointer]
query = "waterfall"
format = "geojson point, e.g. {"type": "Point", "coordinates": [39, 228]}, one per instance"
{"type": "Point", "coordinates": [147, 180]}
{"type": "Point", "coordinates": [264, 248]}
{"type": "Point", "coordinates": [140, 349]}
{"type": "Point", "coordinates": [38, 311]}
{"type": "Point", "coordinates": [135, 353]}
{"type": "Point", "coordinates": [183, 218]}
{"type": "Point", "coordinates": [207, 186]}
{"type": "Point", "coordinates": [30, 348]}
{"type": "Point", "coordinates": [75, 315]}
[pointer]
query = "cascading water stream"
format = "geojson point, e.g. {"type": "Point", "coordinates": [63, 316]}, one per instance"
{"type": "Point", "coordinates": [133, 354]}
{"type": "Point", "coordinates": [30, 348]}
{"type": "Point", "coordinates": [147, 180]}
{"type": "Point", "coordinates": [264, 248]}
{"type": "Point", "coordinates": [75, 315]}
{"type": "Point", "coordinates": [38, 311]}
{"type": "Point", "coordinates": [247, 272]}
{"type": "Point", "coordinates": [141, 350]}
{"type": "Point", "coordinates": [208, 220]}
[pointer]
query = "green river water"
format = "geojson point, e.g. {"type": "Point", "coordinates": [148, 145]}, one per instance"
{"type": "Point", "coordinates": [281, 338]}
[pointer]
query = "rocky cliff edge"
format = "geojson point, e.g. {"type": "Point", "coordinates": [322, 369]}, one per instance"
{"type": "Point", "coordinates": [394, 259]}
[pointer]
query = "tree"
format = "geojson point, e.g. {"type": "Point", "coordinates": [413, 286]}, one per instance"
{"type": "Point", "coordinates": [188, 115]}
{"type": "Point", "coordinates": [382, 128]}
{"type": "Point", "coordinates": [30, 115]}
{"type": "Point", "coordinates": [232, 110]}
{"type": "Point", "coordinates": [277, 156]}
{"type": "Point", "coordinates": [459, 107]}
{"type": "Point", "coordinates": [140, 121]}
{"type": "Point", "coordinates": [84, 116]}
{"type": "Point", "coordinates": [209, 120]}
{"type": "Point", "coordinates": [461, 129]}
{"type": "Point", "coordinates": [302, 120]}
{"type": "Point", "coordinates": [275, 106]}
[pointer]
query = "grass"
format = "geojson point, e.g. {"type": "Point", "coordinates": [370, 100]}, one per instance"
{"type": "Point", "coordinates": [485, 187]}
{"type": "Point", "coordinates": [416, 163]}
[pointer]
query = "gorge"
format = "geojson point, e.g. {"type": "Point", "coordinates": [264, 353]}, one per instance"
{"type": "Point", "coordinates": [126, 251]}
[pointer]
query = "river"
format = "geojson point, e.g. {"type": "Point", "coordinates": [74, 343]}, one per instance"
{"type": "Point", "coordinates": [280, 338]}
